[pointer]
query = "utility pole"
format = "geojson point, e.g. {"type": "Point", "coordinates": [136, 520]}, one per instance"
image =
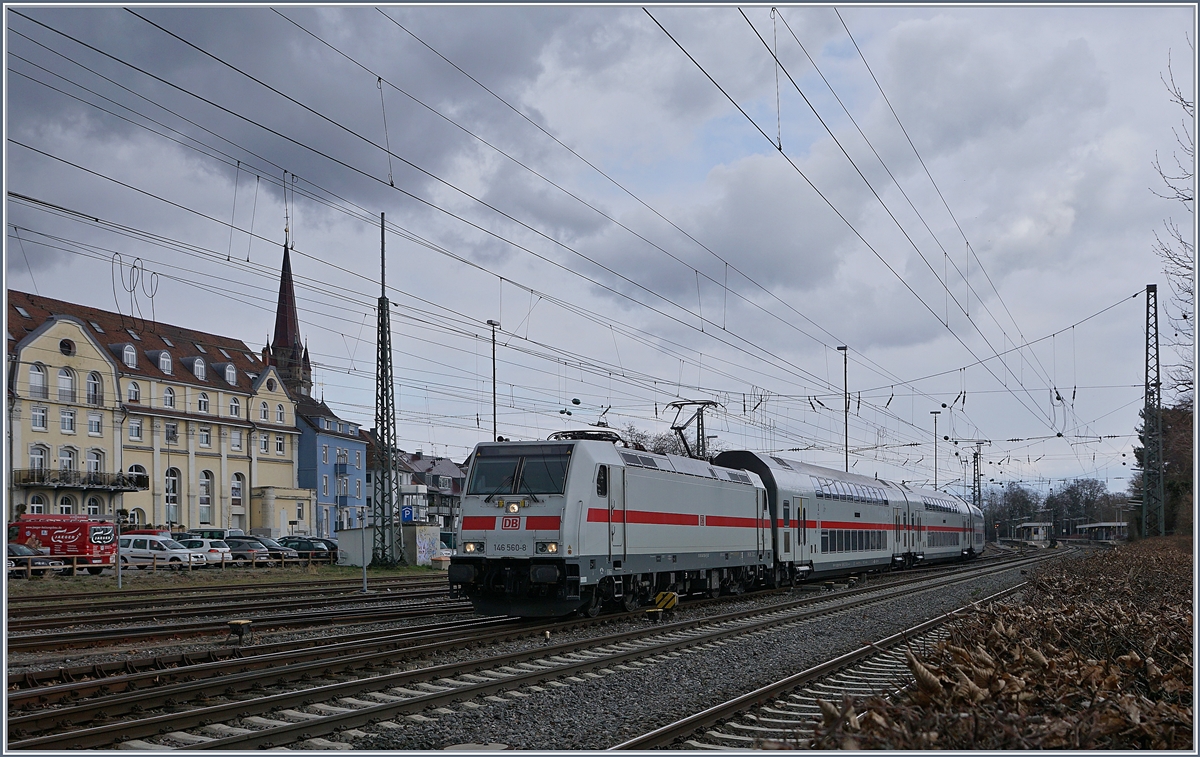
{"type": "Point", "coordinates": [389, 537]}
{"type": "Point", "coordinates": [495, 325]}
{"type": "Point", "coordinates": [1153, 494]}
{"type": "Point", "coordinates": [846, 393]}
{"type": "Point", "coordinates": [935, 414]}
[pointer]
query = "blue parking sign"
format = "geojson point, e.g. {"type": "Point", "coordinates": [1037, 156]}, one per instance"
{"type": "Point", "coordinates": [406, 514]}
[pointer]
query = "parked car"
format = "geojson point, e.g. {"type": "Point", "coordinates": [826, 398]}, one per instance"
{"type": "Point", "coordinates": [215, 533]}
{"type": "Point", "coordinates": [215, 551]}
{"type": "Point", "coordinates": [308, 548]}
{"type": "Point", "coordinates": [278, 553]}
{"type": "Point", "coordinates": [24, 561]}
{"type": "Point", "coordinates": [444, 551]}
{"type": "Point", "coordinates": [158, 551]}
{"type": "Point", "coordinates": [245, 552]}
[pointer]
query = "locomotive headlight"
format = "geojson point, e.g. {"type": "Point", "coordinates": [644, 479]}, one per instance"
{"type": "Point", "coordinates": [471, 547]}
{"type": "Point", "coordinates": [513, 507]}
{"type": "Point", "coordinates": [547, 547]}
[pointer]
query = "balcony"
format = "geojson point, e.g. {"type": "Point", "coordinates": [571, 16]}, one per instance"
{"type": "Point", "coordinates": [66, 395]}
{"type": "Point", "coordinates": [73, 479]}
{"type": "Point", "coordinates": [341, 469]}
{"type": "Point", "coordinates": [342, 500]}
{"type": "Point", "coordinates": [95, 398]}
{"type": "Point", "coordinates": [39, 392]}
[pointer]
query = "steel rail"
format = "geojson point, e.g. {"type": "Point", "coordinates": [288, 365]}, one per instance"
{"type": "Point", "coordinates": [669, 734]}
{"type": "Point", "coordinates": [298, 586]}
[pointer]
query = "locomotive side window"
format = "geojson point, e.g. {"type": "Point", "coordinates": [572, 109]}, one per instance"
{"type": "Point", "coordinates": [602, 481]}
{"type": "Point", "coordinates": [787, 515]}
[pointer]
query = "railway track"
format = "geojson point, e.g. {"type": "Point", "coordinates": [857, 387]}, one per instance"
{"type": "Point", "coordinates": [783, 714]}
{"type": "Point", "coordinates": [237, 606]}
{"type": "Point", "coordinates": [282, 712]}
{"type": "Point", "coordinates": [20, 605]}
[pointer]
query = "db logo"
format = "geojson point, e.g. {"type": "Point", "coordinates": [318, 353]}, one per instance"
{"type": "Point", "coordinates": [510, 523]}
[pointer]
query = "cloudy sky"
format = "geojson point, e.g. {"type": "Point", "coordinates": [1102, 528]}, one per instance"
{"type": "Point", "coordinates": [690, 203]}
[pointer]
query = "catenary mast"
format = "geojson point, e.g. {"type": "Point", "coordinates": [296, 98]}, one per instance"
{"type": "Point", "coordinates": [389, 535]}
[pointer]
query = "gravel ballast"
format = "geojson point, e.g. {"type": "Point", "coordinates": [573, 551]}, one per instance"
{"type": "Point", "coordinates": [596, 713]}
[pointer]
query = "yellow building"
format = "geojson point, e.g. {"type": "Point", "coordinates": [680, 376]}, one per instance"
{"type": "Point", "coordinates": [200, 429]}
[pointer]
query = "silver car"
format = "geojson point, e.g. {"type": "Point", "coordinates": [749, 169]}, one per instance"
{"type": "Point", "coordinates": [158, 552]}
{"type": "Point", "coordinates": [215, 551]}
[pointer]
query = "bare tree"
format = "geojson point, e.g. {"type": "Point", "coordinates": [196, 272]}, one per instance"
{"type": "Point", "coordinates": [1175, 246]}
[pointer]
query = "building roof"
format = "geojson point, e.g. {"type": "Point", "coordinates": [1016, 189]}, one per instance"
{"type": "Point", "coordinates": [149, 338]}
{"type": "Point", "coordinates": [315, 411]}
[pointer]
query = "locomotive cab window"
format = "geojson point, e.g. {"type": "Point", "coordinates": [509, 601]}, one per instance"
{"type": "Point", "coordinates": [520, 469]}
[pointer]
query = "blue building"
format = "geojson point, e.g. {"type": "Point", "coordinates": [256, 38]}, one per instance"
{"type": "Point", "coordinates": [333, 461]}
{"type": "Point", "coordinates": [332, 458]}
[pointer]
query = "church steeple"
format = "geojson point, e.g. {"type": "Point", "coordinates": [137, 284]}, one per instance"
{"type": "Point", "coordinates": [288, 354]}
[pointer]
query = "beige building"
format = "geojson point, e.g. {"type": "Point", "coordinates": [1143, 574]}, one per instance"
{"type": "Point", "coordinates": [192, 428]}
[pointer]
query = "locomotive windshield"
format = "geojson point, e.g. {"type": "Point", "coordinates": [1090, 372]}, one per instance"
{"type": "Point", "coordinates": [524, 469]}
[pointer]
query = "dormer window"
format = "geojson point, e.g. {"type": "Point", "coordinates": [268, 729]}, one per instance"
{"type": "Point", "coordinates": [198, 368]}
{"type": "Point", "coordinates": [230, 374]}
{"type": "Point", "coordinates": [129, 356]}
{"type": "Point", "coordinates": [164, 362]}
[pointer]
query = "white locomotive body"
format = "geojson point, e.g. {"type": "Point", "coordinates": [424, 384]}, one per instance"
{"type": "Point", "coordinates": [551, 527]}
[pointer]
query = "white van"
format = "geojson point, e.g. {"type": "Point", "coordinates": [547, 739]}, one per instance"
{"type": "Point", "coordinates": [158, 552]}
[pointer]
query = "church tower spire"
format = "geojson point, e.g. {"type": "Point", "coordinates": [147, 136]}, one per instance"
{"type": "Point", "coordinates": [288, 353]}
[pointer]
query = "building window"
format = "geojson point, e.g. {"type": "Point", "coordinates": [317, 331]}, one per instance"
{"type": "Point", "coordinates": [129, 356]}
{"type": "Point", "coordinates": [37, 417]}
{"type": "Point", "coordinates": [37, 383]}
{"type": "Point", "coordinates": [325, 486]}
{"type": "Point", "coordinates": [235, 490]}
{"type": "Point", "coordinates": [278, 445]}
{"type": "Point", "coordinates": [206, 437]}
{"type": "Point", "coordinates": [168, 397]}
{"type": "Point", "coordinates": [343, 456]}
{"type": "Point", "coordinates": [66, 505]}
{"type": "Point", "coordinates": [299, 511]}
{"type": "Point", "coordinates": [202, 403]}
{"type": "Point", "coordinates": [279, 416]}
{"type": "Point", "coordinates": [198, 367]}
{"type": "Point", "coordinates": [95, 424]}
{"type": "Point", "coordinates": [66, 421]}
{"type": "Point", "coordinates": [66, 347]}
{"type": "Point", "coordinates": [358, 488]}
{"type": "Point", "coordinates": [235, 439]}
{"type": "Point", "coordinates": [66, 385]}
{"type": "Point", "coordinates": [135, 429]}
{"type": "Point", "coordinates": [230, 374]}
{"type": "Point", "coordinates": [264, 443]}
{"type": "Point", "coordinates": [95, 389]}
{"type": "Point", "coordinates": [358, 459]}
{"type": "Point", "coordinates": [235, 408]}
{"type": "Point", "coordinates": [264, 413]}
{"type": "Point", "coordinates": [171, 494]}
{"type": "Point", "coordinates": [135, 392]}
{"type": "Point", "coordinates": [37, 458]}
{"type": "Point", "coordinates": [137, 470]}
{"type": "Point", "coordinates": [95, 461]}
{"type": "Point", "coordinates": [37, 505]}
{"type": "Point", "coordinates": [171, 432]}
{"type": "Point", "coordinates": [164, 362]}
{"type": "Point", "coordinates": [205, 501]}
{"type": "Point", "coordinates": [93, 506]}
{"type": "Point", "coordinates": [325, 453]}
{"type": "Point", "coordinates": [66, 458]}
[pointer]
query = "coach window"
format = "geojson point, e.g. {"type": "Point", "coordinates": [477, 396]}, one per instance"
{"type": "Point", "coordinates": [602, 481]}
{"type": "Point", "coordinates": [787, 514]}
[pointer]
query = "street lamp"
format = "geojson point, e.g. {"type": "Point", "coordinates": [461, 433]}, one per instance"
{"type": "Point", "coordinates": [935, 414]}
{"type": "Point", "coordinates": [846, 393]}
{"type": "Point", "coordinates": [495, 325]}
